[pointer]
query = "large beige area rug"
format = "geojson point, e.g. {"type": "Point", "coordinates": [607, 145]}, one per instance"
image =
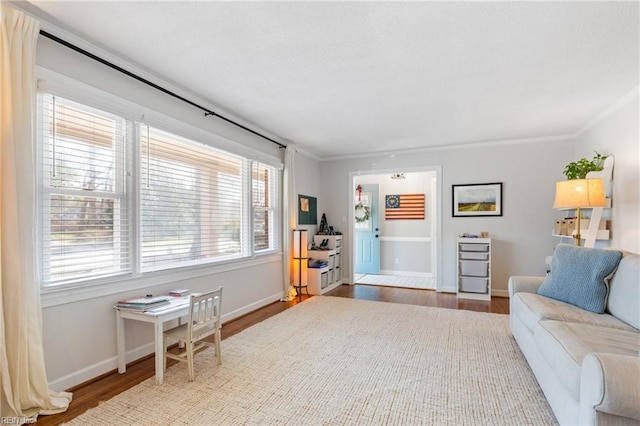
{"type": "Point", "coordinates": [338, 361]}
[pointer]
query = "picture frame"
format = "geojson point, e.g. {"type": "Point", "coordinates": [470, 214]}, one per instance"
{"type": "Point", "coordinates": [476, 199]}
{"type": "Point", "coordinates": [307, 210]}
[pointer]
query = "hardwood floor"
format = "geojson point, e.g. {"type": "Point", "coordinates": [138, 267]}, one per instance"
{"type": "Point", "coordinates": [90, 394]}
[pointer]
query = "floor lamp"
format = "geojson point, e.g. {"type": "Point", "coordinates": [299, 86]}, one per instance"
{"type": "Point", "coordinates": [300, 261]}
{"type": "Point", "coordinates": [577, 194]}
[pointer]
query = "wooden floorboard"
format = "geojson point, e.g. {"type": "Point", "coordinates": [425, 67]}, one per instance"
{"type": "Point", "coordinates": [90, 394]}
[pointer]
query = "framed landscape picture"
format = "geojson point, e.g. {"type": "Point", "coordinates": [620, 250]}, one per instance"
{"type": "Point", "coordinates": [477, 199]}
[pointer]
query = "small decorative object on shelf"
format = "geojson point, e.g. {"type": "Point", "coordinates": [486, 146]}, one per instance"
{"type": "Point", "coordinates": [324, 225]}
{"type": "Point", "coordinates": [579, 169]}
{"type": "Point", "coordinates": [325, 229]}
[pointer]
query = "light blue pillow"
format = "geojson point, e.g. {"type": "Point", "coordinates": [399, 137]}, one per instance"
{"type": "Point", "coordinates": [580, 276]}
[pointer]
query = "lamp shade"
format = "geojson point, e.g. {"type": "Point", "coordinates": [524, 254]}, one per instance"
{"type": "Point", "coordinates": [299, 243]}
{"type": "Point", "coordinates": [578, 193]}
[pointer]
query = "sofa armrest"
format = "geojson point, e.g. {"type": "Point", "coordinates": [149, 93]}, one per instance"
{"type": "Point", "coordinates": [609, 383]}
{"type": "Point", "coordinates": [520, 284]}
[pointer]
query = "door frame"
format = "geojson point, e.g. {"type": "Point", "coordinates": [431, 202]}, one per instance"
{"type": "Point", "coordinates": [436, 210]}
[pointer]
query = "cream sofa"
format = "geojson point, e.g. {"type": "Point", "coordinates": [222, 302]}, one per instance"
{"type": "Point", "coordinates": [587, 364]}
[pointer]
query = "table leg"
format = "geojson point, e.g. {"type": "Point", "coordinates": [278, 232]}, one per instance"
{"type": "Point", "coordinates": [159, 352]}
{"type": "Point", "coordinates": [122, 364]}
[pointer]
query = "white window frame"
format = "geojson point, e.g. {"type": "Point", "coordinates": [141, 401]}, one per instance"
{"type": "Point", "coordinates": [121, 193]}
{"type": "Point", "coordinates": [273, 209]}
{"type": "Point", "coordinates": [65, 87]}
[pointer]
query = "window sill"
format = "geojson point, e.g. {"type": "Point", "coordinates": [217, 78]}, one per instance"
{"type": "Point", "coordinates": [54, 296]}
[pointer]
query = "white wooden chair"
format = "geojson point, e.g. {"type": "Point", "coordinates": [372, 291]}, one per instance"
{"type": "Point", "coordinates": [204, 321]}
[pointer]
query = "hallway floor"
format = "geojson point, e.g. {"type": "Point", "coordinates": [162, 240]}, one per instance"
{"type": "Point", "coordinates": [396, 281]}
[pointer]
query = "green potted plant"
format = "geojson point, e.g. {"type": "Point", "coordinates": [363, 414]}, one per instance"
{"type": "Point", "coordinates": [579, 169]}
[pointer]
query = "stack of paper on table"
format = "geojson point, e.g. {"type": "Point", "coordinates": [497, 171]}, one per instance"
{"type": "Point", "coordinates": [143, 303]}
{"type": "Point", "coordinates": [179, 293]}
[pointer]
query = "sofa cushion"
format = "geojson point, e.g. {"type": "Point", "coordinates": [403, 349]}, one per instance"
{"type": "Point", "coordinates": [624, 290]}
{"type": "Point", "coordinates": [565, 344]}
{"type": "Point", "coordinates": [579, 276]}
{"type": "Point", "coordinates": [531, 308]}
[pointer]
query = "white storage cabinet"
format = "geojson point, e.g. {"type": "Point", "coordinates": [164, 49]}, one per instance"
{"type": "Point", "coordinates": [474, 268]}
{"type": "Point", "coordinates": [322, 280]}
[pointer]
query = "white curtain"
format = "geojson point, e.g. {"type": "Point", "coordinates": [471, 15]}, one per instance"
{"type": "Point", "coordinates": [289, 217]}
{"type": "Point", "coordinates": [25, 392]}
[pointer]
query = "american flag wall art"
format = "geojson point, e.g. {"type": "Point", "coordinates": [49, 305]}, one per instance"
{"type": "Point", "coordinates": [404, 206]}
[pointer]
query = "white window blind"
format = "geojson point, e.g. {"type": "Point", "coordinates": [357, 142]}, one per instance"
{"type": "Point", "coordinates": [191, 202]}
{"type": "Point", "coordinates": [264, 203]}
{"type": "Point", "coordinates": [85, 206]}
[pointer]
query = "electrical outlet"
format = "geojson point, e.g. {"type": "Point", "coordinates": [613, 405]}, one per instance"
{"type": "Point", "coordinates": [396, 261]}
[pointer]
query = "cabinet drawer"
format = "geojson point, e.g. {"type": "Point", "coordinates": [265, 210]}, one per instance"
{"type": "Point", "coordinates": [474, 255]}
{"type": "Point", "coordinates": [474, 268]}
{"type": "Point", "coordinates": [474, 247]}
{"type": "Point", "coordinates": [474, 284]}
{"type": "Point", "coordinates": [324, 279]}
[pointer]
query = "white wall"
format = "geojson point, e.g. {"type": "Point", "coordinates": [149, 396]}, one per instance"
{"type": "Point", "coordinates": [307, 171]}
{"type": "Point", "coordinates": [522, 236]}
{"type": "Point", "coordinates": [79, 326]}
{"type": "Point", "coordinates": [616, 133]}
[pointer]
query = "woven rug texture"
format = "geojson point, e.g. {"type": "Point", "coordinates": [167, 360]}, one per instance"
{"type": "Point", "coordinates": [338, 361]}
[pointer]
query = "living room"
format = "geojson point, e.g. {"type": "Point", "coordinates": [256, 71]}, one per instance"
{"type": "Point", "coordinates": [79, 329]}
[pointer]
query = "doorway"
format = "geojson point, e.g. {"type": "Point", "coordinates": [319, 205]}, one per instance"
{"type": "Point", "coordinates": [402, 240]}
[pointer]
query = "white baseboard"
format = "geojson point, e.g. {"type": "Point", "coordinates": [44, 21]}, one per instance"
{"type": "Point", "coordinates": [97, 369]}
{"type": "Point", "coordinates": [110, 364]}
{"type": "Point", "coordinates": [500, 293]}
{"type": "Point", "coordinates": [251, 307]}
{"type": "Point", "coordinates": [494, 292]}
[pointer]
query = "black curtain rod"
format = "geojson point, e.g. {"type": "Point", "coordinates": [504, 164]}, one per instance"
{"type": "Point", "coordinates": [207, 112]}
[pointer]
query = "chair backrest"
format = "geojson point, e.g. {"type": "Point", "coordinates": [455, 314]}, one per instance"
{"type": "Point", "coordinates": [204, 315]}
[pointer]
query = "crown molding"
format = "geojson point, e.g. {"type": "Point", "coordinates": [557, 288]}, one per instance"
{"type": "Point", "coordinates": [454, 146]}
{"type": "Point", "coordinates": [613, 108]}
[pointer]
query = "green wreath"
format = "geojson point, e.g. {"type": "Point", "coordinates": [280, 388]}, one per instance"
{"type": "Point", "coordinates": [363, 213]}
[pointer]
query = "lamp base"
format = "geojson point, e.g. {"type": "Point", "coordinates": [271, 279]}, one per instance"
{"type": "Point", "coordinates": [578, 237]}
{"type": "Point", "coordinates": [299, 290]}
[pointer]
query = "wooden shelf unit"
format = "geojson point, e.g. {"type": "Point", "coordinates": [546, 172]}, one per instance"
{"type": "Point", "coordinates": [594, 231]}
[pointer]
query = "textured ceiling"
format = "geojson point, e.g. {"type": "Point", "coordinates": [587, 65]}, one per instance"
{"type": "Point", "coordinates": [345, 78]}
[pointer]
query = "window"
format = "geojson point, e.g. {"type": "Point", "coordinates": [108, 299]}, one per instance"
{"type": "Point", "coordinates": [192, 204]}
{"type": "Point", "coordinates": [84, 194]}
{"type": "Point", "coordinates": [264, 206]}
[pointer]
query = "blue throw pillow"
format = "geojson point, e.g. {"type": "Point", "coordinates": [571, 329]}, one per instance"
{"type": "Point", "coordinates": [580, 276]}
